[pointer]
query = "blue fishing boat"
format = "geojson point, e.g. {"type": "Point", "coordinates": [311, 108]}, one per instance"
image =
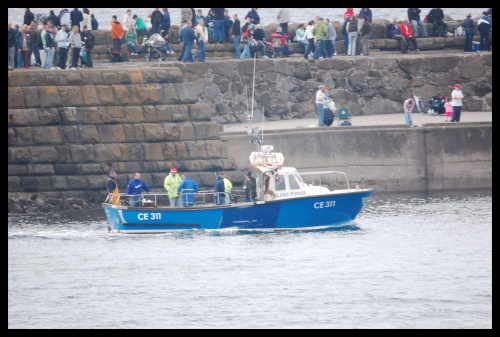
{"type": "Point", "coordinates": [284, 202]}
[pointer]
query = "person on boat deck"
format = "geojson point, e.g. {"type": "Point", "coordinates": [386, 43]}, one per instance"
{"type": "Point", "coordinates": [187, 189]}
{"type": "Point", "coordinates": [112, 188]}
{"type": "Point", "coordinates": [219, 190]}
{"type": "Point", "coordinates": [172, 182]}
{"type": "Point", "coordinates": [251, 188]}
{"type": "Point", "coordinates": [228, 187]}
{"type": "Point", "coordinates": [135, 186]}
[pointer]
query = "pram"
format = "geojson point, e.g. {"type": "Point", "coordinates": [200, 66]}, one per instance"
{"type": "Point", "coordinates": [157, 44]}
{"type": "Point", "coordinates": [276, 46]}
{"type": "Point", "coordinates": [436, 104]}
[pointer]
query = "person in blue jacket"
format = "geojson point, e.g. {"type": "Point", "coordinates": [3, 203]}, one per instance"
{"type": "Point", "coordinates": [254, 18]}
{"type": "Point", "coordinates": [188, 37]}
{"type": "Point", "coordinates": [135, 187]}
{"type": "Point", "coordinates": [468, 25]}
{"type": "Point", "coordinates": [366, 12]}
{"type": "Point", "coordinates": [187, 189]}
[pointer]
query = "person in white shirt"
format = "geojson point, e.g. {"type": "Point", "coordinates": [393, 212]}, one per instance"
{"type": "Point", "coordinates": [456, 97]}
{"type": "Point", "coordinates": [320, 104]}
{"type": "Point", "coordinates": [128, 21]}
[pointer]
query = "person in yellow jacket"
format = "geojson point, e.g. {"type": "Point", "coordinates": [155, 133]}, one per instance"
{"type": "Point", "coordinates": [228, 187]}
{"type": "Point", "coordinates": [172, 182]}
{"type": "Point", "coordinates": [112, 187]}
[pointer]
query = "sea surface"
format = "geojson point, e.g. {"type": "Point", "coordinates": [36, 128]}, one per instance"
{"type": "Point", "coordinates": [410, 260]}
{"type": "Point", "coordinates": [267, 15]}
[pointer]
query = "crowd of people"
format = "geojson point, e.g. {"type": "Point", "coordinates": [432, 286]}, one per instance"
{"type": "Point", "coordinates": [181, 189]}
{"type": "Point", "coordinates": [318, 37]}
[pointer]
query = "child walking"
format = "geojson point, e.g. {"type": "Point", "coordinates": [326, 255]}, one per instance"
{"type": "Point", "coordinates": [448, 109]}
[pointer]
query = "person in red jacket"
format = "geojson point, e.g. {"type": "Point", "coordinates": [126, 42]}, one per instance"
{"type": "Point", "coordinates": [117, 34]}
{"type": "Point", "coordinates": [349, 11]}
{"type": "Point", "coordinates": [407, 33]}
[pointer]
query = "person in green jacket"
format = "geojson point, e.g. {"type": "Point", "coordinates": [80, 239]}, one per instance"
{"type": "Point", "coordinates": [131, 40]}
{"type": "Point", "coordinates": [172, 182]}
{"type": "Point", "coordinates": [319, 31]}
{"type": "Point", "coordinates": [140, 26]}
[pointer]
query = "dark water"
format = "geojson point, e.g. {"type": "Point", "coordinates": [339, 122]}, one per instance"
{"type": "Point", "coordinates": [411, 260]}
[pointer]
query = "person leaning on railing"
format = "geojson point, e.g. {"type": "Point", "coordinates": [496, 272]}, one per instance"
{"type": "Point", "coordinates": [187, 189]}
{"type": "Point", "coordinates": [112, 187]}
{"type": "Point", "coordinates": [134, 190]}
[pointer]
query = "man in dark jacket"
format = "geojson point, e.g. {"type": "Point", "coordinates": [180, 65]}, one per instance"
{"type": "Point", "coordinates": [251, 188]}
{"type": "Point", "coordinates": [483, 27]}
{"type": "Point", "coordinates": [254, 17]}
{"type": "Point", "coordinates": [165, 24]}
{"type": "Point", "coordinates": [468, 25]}
{"type": "Point", "coordinates": [228, 23]}
{"type": "Point", "coordinates": [28, 17]}
{"type": "Point", "coordinates": [54, 18]}
{"type": "Point", "coordinates": [414, 18]}
{"type": "Point", "coordinates": [12, 43]}
{"type": "Point", "coordinates": [219, 196]}
{"type": "Point", "coordinates": [34, 35]}
{"type": "Point", "coordinates": [187, 36]}
{"type": "Point", "coordinates": [218, 25]}
{"type": "Point", "coordinates": [436, 17]}
{"type": "Point", "coordinates": [394, 33]}
{"type": "Point", "coordinates": [76, 16]}
{"type": "Point", "coordinates": [88, 39]}
{"type": "Point", "coordinates": [156, 20]}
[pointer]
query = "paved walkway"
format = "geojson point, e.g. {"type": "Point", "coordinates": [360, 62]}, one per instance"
{"type": "Point", "coordinates": [419, 119]}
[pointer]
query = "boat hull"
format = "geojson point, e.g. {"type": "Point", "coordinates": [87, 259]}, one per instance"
{"type": "Point", "coordinates": [289, 214]}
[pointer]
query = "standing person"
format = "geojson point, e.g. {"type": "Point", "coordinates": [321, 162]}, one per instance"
{"type": "Point", "coordinates": [417, 101]}
{"type": "Point", "coordinates": [75, 41]}
{"type": "Point", "coordinates": [457, 97]}
{"type": "Point", "coordinates": [310, 39]}
{"type": "Point", "coordinates": [407, 33]}
{"type": "Point", "coordinates": [128, 21]}
{"type": "Point", "coordinates": [345, 34]}
{"type": "Point", "coordinates": [228, 187]}
{"type": "Point", "coordinates": [87, 20]}
{"type": "Point", "coordinates": [62, 43]}
{"type": "Point", "coordinates": [366, 13]}
{"type": "Point", "coordinates": [228, 24]}
{"type": "Point", "coordinates": [134, 190]}
{"type": "Point", "coordinates": [219, 191]}
{"type": "Point", "coordinates": [483, 27]}
{"type": "Point", "coordinates": [394, 33]}
{"type": "Point", "coordinates": [28, 16]}
{"type": "Point", "coordinates": [218, 25]}
{"type": "Point", "coordinates": [236, 35]}
{"type": "Point", "coordinates": [436, 17]}
{"type": "Point", "coordinates": [93, 20]}
{"type": "Point", "coordinates": [188, 187]}
{"type": "Point", "coordinates": [468, 25]}
{"type": "Point", "coordinates": [448, 109]}
{"type": "Point", "coordinates": [165, 24]}
{"type": "Point", "coordinates": [76, 17]}
{"type": "Point", "coordinates": [352, 30]}
{"type": "Point", "coordinates": [140, 26]}
{"type": "Point", "coordinates": [254, 18]}
{"type": "Point", "coordinates": [329, 40]}
{"type": "Point", "coordinates": [320, 104]}
{"type": "Point", "coordinates": [188, 37]}
{"type": "Point", "coordinates": [250, 188]}
{"type": "Point", "coordinates": [131, 40]}
{"type": "Point", "coordinates": [171, 183]}
{"type": "Point", "coordinates": [117, 34]}
{"type": "Point", "coordinates": [112, 187]}
{"type": "Point", "coordinates": [365, 36]}
{"type": "Point", "coordinates": [34, 36]}
{"type": "Point", "coordinates": [89, 41]}
{"type": "Point", "coordinates": [209, 22]}
{"type": "Point", "coordinates": [408, 106]}
{"type": "Point", "coordinates": [50, 48]}
{"type": "Point", "coordinates": [319, 31]}
{"type": "Point", "coordinates": [24, 48]}
{"type": "Point", "coordinates": [12, 43]}
{"type": "Point", "coordinates": [414, 17]}
{"type": "Point", "coordinates": [65, 17]}
{"type": "Point", "coordinates": [156, 20]}
{"type": "Point", "coordinates": [54, 18]}
{"type": "Point", "coordinates": [200, 34]}
{"type": "Point", "coordinates": [349, 13]}
{"type": "Point", "coordinates": [283, 19]}
{"type": "Point", "coordinates": [300, 36]}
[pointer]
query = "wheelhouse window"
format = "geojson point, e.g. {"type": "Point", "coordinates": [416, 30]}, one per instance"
{"type": "Point", "coordinates": [280, 183]}
{"type": "Point", "coordinates": [294, 185]}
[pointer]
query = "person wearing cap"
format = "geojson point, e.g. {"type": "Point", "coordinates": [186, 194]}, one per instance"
{"type": "Point", "coordinates": [171, 183]}
{"type": "Point", "coordinates": [456, 97]}
{"type": "Point", "coordinates": [250, 188]}
{"type": "Point", "coordinates": [112, 188]}
{"type": "Point", "coordinates": [88, 40]}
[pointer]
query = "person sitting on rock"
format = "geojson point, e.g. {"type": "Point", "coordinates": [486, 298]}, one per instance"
{"type": "Point", "coordinates": [395, 33]}
{"type": "Point", "coordinates": [436, 17]}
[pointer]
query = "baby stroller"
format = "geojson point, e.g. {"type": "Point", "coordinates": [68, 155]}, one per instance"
{"type": "Point", "coordinates": [437, 105]}
{"type": "Point", "coordinates": [276, 46]}
{"type": "Point", "coordinates": [157, 44]}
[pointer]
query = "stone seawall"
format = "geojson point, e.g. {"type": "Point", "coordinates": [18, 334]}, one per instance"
{"type": "Point", "coordinates": [432, 157]}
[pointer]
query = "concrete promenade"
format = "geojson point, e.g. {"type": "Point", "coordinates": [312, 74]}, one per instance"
{"type": "Point", "coordinates": [397, 119]}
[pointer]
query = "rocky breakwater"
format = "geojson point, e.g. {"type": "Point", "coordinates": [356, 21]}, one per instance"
{"type": "Point", "coordinates": [286, 88]}
{"type": "Point", "coordinates": [66, 130]}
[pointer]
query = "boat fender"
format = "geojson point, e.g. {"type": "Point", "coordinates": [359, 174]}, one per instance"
{"type": "Point", "coordinates": [269, 195]}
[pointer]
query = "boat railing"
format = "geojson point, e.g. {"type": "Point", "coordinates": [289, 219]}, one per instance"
{"type": "Point", "coordinates": [161, 198]}
{"type": "Point", "coordinates": [320, 173]}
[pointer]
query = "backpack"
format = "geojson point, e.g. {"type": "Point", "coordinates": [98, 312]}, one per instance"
{"type": "Point", "coordinates": [345, 123]}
